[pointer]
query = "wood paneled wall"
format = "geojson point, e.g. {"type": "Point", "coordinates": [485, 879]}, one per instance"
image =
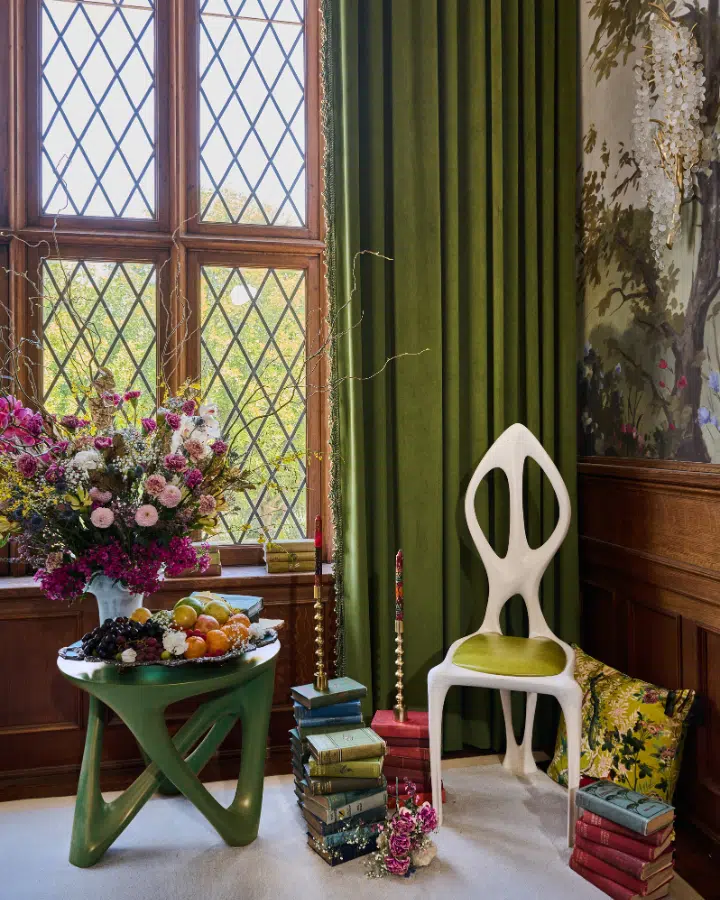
{"type": "Point", "coordinates": [650, 584]}
{"type": "Point", "coordinates": [43, 717]}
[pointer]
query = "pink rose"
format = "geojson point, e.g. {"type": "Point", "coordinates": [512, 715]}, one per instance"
{"type": "Point", "coordinates": [170, 497]}
{"type": "Point", "coordinates": [188, 407]}
{"type": "Point", "coordinates": [219, 447]}
{"type": "Point", "coordinates": [195, 449]}
{"type": "Point", "coordinates": [26, 465]}
{"type": "Point", "coordinates": [149, 425]}
{"type": "Point", "coordinates": [155, 485]}
{"type": "Point", "coordinates": [403, 822]}
{"type": "Point", "coordinates": [173, 420]}
{"type": "Point", "coordinates": [102, 517]}
{"type": "Point", "coordinates": [54, 473]}
{"type": "Point", "coordinates": [103, 443]}
{"type": "Point", "coordinates": [176, 462]}
{"type": "Point", "coordinates": [193, 477]}
{"type": "Point", "coordinates": [207, 504]}
{"type": "Point", "coordinates": [399, 844]}
{"type": "Point", "coordinates": [146, 515]}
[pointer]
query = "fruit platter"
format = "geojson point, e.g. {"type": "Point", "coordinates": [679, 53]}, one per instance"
{"type": "Point", "coordinates": [199, 629]}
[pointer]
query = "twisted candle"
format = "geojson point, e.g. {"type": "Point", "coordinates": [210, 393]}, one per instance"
{"type": "Point", "coordinates": [321, 679]}
{"type": "Point", "coordinates": [399, 710]}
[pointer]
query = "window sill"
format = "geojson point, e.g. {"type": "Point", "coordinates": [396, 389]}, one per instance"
{"type": "Point", "coordinates": [233, 577]}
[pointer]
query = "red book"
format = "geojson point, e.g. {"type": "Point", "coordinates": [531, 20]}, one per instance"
{"type": "Point", "coordinates": [620, 842]}
{"type": "Point", "coordinates": [385, 724]}
{"type": "Point", "coordinates": [398, 761]}
{"type": "Point", "coordinates": [639, 886]}
{"type": "Point", "coordinates": [658, 837]}
{"type": "Point", "coordinates": [612, 888]}
{"type": "Point", "coordinates": [637, 868]}
{"type": "Point", "coordinates": [408, 752]}
{"type": "Point", "coordinates": [420, 780]}
{"type": "Point", "coordinates": [419, 743]}
{"type": "Point", "coordinates": [419, 799]}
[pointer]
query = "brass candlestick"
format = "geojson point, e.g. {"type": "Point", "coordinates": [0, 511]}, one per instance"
{"type": "Point", "coordinates": [321, 680]}
{"type": "Point", "coordinates": [399, 710]}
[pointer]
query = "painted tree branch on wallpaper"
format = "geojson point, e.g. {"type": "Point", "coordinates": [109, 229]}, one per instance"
{"type": "Point", "coordinates": [649, 378]}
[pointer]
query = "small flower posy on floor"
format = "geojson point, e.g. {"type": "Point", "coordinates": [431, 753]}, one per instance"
{"type": "Point", "coordinates": [403, 840]}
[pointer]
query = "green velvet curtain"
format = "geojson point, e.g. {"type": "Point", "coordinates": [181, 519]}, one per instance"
{"type": "Point", "coordinates": [451, 133]}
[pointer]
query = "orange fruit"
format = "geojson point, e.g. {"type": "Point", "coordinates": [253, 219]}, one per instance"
{"type": "Point", "coordinates": [141, 615]}
{"type": "Point", "coordinates": [206, 623]}
{"type": "Point", "coordinates": [196, 647]}
{"type": "Point", "coordinates": [239, 617]}
{"type": "Point", "coordinates": [237, 633]}
{"type": "Point", "coordinates": [217, 641]}
{"type": "Point", "coordinates": [185, 616]}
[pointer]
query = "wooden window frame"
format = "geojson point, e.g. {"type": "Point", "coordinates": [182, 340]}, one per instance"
{"type": "Point", "coordinates": [174, 242]}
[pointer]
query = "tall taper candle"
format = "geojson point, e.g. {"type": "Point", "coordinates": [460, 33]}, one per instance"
{"type": "Point", "coordinates": [321, 679]}
{"type": "Point", "coordinates": [399, 710]}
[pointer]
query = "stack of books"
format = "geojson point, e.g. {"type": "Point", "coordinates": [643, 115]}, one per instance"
{"type": "Point", "coordinates": [408, 754]}
{"type": "Point", "coordinates": [290, 556]}
{"type": "Point", "coordinates": [338, 769]}
{"type": "Point", "coordinates": [624, 842]}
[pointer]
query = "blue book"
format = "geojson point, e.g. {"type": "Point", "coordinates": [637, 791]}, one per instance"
{"type": "Point", "coordinates": [348, 721]}
{"type": "Point", "coordinates": [337, 710]}
{"type": "Point", "coordinates": [639, 813]}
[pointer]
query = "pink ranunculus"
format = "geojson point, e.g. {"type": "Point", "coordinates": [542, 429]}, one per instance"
{"type": "Point", "coordinates": [173, 420]}
{"type": "Point", "coordinates": [71, 422]}
{"type": "Point", "coordinates": [170, 497]}
{"type": "Point", "coordinates": [102, 517]}
{"type": "Point", "coordinates": [149, 425]}
{"type": "Point", "coordinates": [54, 473]}
{"type": "Point", "coordinates": [26, 465]}
{"type": "Point", "coordinates": [103, 443]}
{"type": "Point", "coordinates": [662, 364]}
{"type": "Point", "coordinates": [195, 449]}
{"type": "Point", "coordinates": [193, 477]}
{"type": "Point", "coordinates": [397, 866]}
{"type": "Point", "coordinates": [188, 407]}
{"type": "Point", "coordinates": [129, 396]}
{"type": "Point", "coordinates": [146, 515]}
{"type": "Point", "coordinates": [155, 484]}
{"type": "Point", "coordinates": [403, 822]}
{"type": "Point", "coordinates": [100, 496]}
{"type": "Point", "coordinates": [176, 462]}
{"type": "Point", "coordinates": [219, 447]}
{"type": "Point", "coordinates": [399, 844]}
{"type": "Point", "coordinates": [207, 504]}
{"type": "Point", "coordinates": [681, 383]}
{"type": "Point", "coordinates": [427, 817]}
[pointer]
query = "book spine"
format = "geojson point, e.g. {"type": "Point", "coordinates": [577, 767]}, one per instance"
{"type": "Point", "coordinates": [350, 708]}
{"type": "Point", "coordinates": [358, 768]}
{"type": "Point", "coordinates": [619, 814]}
{"type": "Point", "coordinates": [655, 839]}
{"type": "Point", "coordinates": [405, 730]}
{"type": "Point", "coordinates": [277, 568]}
{"type": "Point", "coordinates": [407, 762]}
{"type": "Point", "coordinates": [421, 743]}
{"type": "Point", "coordinates": [630, 864]}
{"type": "Point", "coordinates": [618, 841]}
{"type": "Point", "coordinates": [337, 855]}
{"type": "Point", "coordinates": [417, 753]}
{"type": "Point", "coordinates": [606, 885]}
{"type": "Point", "coordinates": [348, 754]}
{"type": "Point", "coordinates": [607, 871]}
{"type": "Point", "coordinates": [419, 779]}
{"type": "Point", "coordinates": [346, 721]}
{"type": "Point", "coordinates": [323, 786]}
{"type": "Point", "coordinates": [357, 806]}
{"type": "Point", "coordinates": [304, 731]}
{"type": "Point", "coordinates": [364, 818]}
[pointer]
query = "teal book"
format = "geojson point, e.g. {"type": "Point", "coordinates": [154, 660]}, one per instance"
{"type": "Point", "coordinates": [641, 814]}
{"type": "Point", "coordinates": [368, 817]}
{"type": "Point", "coordinates": [367, 800]}
{"type": "Point", "coordinates": [335, 856]}
{"type": "Point", "coordinates": [361, 835]}
{"type": "Point", "coordinates": [326, 786]}
{"type": "Point", "coordinates": [342, 746]}
{"type": "Point", "coordinates": [321, 723]}
{"type": "Point", "coordinates": [337, 711]}
{"type": "Point", "coordinates": [340, 690]}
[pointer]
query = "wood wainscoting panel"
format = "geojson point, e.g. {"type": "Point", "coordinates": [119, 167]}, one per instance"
{"type": "Point", "coordinates": [650, 586]}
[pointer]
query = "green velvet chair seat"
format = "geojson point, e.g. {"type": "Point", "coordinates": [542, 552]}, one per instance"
{"type": "Point", "coordinates": [499, 654]}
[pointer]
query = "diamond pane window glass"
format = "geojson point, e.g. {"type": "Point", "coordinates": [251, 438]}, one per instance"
{"type": "Point", "coordinates": [252, 112]}
{"type": "Point", "coordinates": [95, 314]}
{"type": "Point", "coordinates": [252, 367]}
{"type": "Point", "coordinates": [98, 141]}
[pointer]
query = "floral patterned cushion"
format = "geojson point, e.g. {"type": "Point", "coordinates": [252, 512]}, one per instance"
{"type": "Point", "coordinates": [632, 731]}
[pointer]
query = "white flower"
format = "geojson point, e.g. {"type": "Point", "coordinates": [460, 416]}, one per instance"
{"type": "Point", "coordinates": [204, 428]}
{"type": "Point", "coordinates": [175, 643]}
{"type": "Point", "coordinates": [87, 460]}
{"type": "Point", "coordinates": [256, 631]}
{"type": "Point", "coordinates": [128, 656]}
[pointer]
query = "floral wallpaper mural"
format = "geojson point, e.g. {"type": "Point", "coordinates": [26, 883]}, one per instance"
{"type": "Point", "coordinates": [649, 230]}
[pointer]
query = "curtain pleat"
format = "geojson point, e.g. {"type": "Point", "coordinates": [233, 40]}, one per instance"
{"type": "Point", "coordinates": [451, 134]}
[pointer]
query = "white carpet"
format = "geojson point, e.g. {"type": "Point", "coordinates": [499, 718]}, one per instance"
{"type": "Point", "coordinates": [502, 839]}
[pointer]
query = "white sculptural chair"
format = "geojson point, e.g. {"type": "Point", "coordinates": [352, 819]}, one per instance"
{"type": "Point", "coordinates": [540, 663]}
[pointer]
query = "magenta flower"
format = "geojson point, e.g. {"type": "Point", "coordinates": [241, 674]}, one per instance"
{"type": "Point", "coordinates": [427, 818]}
{"type": "Point", "coordinates": [103, 443]}
{"type": "Point", "coordinates": [176, 462]}
{"type": "Point", "coordinates": [219, 447]}
{"type": "Point", "coordinates": [112, 399]}
{"type": "Point", "coordinates": [71, 422]}
{"type": "Point", "coordinates": [170, 497]}
{"type": "Point", "coordinates": [54, 473]}
{"type": "Point", "coordinates": [149, 425]}
{"type": "Point", "coordinates": [193, 477]}
{"type": "Point", "coordinates": [129, 396]}
{"type": "Point", "coordinates": [102, 517]}
{"type": "Point", "coordinates": [403, 822]}
{"type": "Point", "coordinates": [173, 420]}
{"type": "Point", "coordinates": [207, 504]}
{"type": "Point", "coordinates": [399, 844]}
{"type": "Point", "coordinates": [397, 866]}
{"type": "Point", "coordinates": [146, 516]}
{"type": "Point", "coordinates": [60, 446]}
{"type": "Point", "coordinates": [100, 496]}
{"type": "Point", "coordinates": [26, 465]}
{"type": "Point", "coordinates": [681, 383]}
{"type": "Point", "coordinates": [188, 407]}
{"type": "Point", "coordinates": [155, 485]}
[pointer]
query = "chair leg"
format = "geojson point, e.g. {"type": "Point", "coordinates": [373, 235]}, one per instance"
{"type": "Point", "coordinates": [436, 700]}
{"type": "Point", "coordinates": [572, 710]}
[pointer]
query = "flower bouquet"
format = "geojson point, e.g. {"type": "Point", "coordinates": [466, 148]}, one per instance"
{"type": "Point", "coordinates": [108, 503]}
{"type": "Point", "coordinates": [403, 842]}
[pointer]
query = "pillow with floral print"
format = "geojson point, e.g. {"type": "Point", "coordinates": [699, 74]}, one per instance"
{"type": "Point", "coordinates": [632, 731]}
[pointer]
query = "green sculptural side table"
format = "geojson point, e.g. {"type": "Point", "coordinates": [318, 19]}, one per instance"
{"type": "Point", "coordinates": [241, 688]}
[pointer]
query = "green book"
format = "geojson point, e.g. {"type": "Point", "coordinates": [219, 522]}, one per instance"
{"type": "Point", "coordinates": [323, 786]}
{"type": "Point", "coordinates": [355, 768]}
{"type": "Point", "coordinates": [304, 731]}
{"type": "Point", "coordinates": [365, 801]}
{"type": "Point", "coordinates": [341, 746]}
{"type": "Point", "coordinates": [639, 813]}
{"type": "Point", "coordinates": [339, 690]}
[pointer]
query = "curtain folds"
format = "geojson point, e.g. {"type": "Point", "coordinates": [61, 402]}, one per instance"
{"type": "Point", "coordinates": [451, 148]}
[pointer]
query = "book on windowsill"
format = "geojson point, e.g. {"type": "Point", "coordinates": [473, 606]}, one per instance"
{"type": "Point", "coordinates": [367, 817]}
{"type": "Point", "coordinates": [321, 786]}
{"type": "Point", "coordinates": [304, 545]}
{"type": "Point", "coordinates": [280, 567]}
{"type": "Point", "coordinates": [615, 890]}
{"type": "Point", "coordinates": [641, 814]}
{"type": "Point", "coordinates": [589, 818]}
{"type": "Point", "coordinates": [638, 849]}
{"type": "Point", "coordinates": [336, 710]}
{"type": "Point", "coordinates": [329, 814]}
{"type": "Point", "coordinates": [341, 746]}
{"type": "Point", "coordinates": [339, 690]}
{"type": "Point", "coordinates": [290, 556]}
{"type": "Point", "coordinates": [416, 726]}
{"type": "Point", "coordinates": [337, 855]}
{"type": "Point", "coordinates": [354, 768]}
{"type": "Point", "coordinates": [641, 869]}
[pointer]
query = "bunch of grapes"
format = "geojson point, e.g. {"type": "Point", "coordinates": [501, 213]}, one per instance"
{"type": "Point", "coordinates": [109, 639]}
